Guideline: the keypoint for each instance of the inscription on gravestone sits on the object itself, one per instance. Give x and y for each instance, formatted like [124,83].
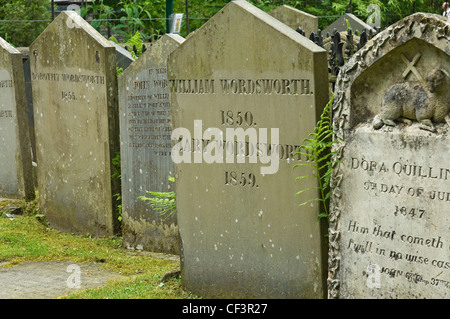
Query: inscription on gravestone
[389,228]
[73,71]
[146,148]
[240,110]
[16,179]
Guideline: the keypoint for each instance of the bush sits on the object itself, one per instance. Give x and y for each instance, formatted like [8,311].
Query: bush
[127,17]
[22,34]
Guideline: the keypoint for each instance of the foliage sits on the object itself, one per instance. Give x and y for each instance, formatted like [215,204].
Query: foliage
[327,10]
[200,11]
[23,33]
[316,148]
[116,174]
[119,71]
[118,197]
[148,17]
[136,41]
[163,202]
[127,17]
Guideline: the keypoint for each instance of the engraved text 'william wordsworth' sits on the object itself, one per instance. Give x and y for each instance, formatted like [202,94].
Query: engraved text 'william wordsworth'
[241,86]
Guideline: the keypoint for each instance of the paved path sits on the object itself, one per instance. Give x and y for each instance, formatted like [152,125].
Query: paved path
[47,280]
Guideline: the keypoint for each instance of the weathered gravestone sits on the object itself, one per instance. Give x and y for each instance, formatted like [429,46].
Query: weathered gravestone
[146,148]
[295,18]
[389,223]
[123,56]
[240,108]
[16,179]
[356,24]
[28,92]
[73,70]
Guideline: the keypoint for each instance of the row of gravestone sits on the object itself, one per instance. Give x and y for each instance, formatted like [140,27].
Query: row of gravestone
[203,110]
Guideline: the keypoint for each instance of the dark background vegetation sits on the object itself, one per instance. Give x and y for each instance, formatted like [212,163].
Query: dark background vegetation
[21,21]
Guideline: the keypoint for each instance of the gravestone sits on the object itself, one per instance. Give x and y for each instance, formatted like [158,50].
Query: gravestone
[123,56]
[73,71]
[295,18]
[146,160]
[356,24]
[389,231]
[16,179]
[239,113]
[25,51]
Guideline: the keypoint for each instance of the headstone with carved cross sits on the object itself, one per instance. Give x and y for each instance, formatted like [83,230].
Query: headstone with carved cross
[389,230]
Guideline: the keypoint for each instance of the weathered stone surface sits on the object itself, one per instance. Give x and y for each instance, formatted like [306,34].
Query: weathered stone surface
[16,179]
[25,51]
[295,18]
[123,56]
[356,24]
[73,70]
[389,234]
[242,232]
[146,148]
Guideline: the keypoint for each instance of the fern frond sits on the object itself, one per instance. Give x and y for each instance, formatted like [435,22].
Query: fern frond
[164,203]
[306,176]
[306,190]
[318,144]
[312,165]
[309,201]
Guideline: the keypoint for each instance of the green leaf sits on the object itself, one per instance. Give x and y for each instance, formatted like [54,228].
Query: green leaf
[310,201]
[306,190]
[305,176]
[317,148]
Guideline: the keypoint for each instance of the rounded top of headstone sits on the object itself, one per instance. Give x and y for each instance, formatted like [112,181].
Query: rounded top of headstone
[429,27]
[401,47]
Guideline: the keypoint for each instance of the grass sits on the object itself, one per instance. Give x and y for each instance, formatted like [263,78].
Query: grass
[30,238]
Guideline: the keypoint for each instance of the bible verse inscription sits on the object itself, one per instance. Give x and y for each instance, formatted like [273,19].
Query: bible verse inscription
[405,239]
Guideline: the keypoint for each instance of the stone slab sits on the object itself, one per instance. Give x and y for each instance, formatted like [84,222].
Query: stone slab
[389,233]
[73,70]
[295,18]
[123,56]
[356,24]
[242,231]
[16,179]
[146,148]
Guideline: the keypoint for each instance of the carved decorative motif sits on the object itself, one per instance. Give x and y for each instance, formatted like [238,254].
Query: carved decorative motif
[426,102]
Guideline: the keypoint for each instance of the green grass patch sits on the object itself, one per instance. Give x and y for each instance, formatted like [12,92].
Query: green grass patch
[30,238]
[146,286]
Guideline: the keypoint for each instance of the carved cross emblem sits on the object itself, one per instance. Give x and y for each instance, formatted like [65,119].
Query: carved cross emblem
[411,66]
